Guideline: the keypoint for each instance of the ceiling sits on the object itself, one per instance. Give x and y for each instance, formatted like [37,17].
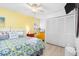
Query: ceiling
[48,8]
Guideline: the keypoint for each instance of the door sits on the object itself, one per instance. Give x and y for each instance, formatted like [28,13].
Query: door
[61,30]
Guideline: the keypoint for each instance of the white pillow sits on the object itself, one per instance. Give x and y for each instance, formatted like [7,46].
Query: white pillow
[13,35]
[20,34]
[4,35]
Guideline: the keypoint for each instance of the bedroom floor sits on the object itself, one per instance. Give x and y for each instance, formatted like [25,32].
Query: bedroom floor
[53,50]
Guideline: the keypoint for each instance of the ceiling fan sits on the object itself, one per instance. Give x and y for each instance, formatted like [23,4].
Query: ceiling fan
[35,7]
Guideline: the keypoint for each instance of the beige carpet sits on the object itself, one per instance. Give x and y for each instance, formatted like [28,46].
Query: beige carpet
[53,50]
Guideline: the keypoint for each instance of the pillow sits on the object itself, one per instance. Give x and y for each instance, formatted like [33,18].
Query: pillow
[13,35]
[20,34]
[4,35]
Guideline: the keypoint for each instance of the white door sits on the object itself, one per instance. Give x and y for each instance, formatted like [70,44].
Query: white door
[61,30]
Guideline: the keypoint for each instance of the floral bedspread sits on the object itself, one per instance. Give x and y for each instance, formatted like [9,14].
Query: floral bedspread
[20,47]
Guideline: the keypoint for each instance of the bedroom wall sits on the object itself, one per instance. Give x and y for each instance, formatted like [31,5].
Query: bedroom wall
[42,23]
[14,19]
[54,14]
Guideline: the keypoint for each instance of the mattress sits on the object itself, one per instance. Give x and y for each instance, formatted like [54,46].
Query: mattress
[21,47]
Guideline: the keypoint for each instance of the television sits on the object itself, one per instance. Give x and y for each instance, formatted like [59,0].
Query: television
[69,7]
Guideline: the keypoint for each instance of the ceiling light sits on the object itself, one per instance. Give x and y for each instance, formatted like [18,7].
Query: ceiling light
[35,7]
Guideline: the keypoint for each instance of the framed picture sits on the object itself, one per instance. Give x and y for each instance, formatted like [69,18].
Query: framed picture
[2,21]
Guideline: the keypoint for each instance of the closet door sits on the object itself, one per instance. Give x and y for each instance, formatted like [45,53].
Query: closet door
[61,30]
[70,30]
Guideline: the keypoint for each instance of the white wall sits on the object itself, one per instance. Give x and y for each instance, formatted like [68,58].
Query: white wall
[53,10]
[42,23]
[54,14]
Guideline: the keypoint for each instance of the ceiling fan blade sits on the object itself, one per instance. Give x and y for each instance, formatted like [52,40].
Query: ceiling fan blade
[29,4]
[35,7]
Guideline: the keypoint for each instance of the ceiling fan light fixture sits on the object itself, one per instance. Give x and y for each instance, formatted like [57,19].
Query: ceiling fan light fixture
[34,10]
[36,7]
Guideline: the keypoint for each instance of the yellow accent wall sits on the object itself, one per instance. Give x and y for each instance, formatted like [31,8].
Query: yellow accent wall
[17,20]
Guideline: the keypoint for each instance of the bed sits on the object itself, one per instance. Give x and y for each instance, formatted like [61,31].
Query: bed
[22,46]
